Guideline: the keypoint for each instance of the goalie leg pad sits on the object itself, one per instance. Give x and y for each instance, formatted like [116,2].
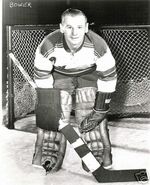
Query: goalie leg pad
[85,99]
[66,105]
[99,143]
[53,150]
[36,161]
[107,155]
[50,149]
[48,110]
[94,142]
[102,175]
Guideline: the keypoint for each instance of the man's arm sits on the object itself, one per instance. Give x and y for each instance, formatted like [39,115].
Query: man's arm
[107,79]
[42,71]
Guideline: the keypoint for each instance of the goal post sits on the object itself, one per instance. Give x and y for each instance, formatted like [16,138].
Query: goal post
[22,41]
[130,47]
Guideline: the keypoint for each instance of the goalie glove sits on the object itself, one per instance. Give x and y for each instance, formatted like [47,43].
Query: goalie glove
[98,114]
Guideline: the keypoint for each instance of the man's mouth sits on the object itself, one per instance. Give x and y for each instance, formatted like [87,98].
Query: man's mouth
[74,38]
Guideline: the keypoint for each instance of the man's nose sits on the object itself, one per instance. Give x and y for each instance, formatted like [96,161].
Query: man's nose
[74,31]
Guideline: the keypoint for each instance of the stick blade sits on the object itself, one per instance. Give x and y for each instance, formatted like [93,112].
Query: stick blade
[103,175]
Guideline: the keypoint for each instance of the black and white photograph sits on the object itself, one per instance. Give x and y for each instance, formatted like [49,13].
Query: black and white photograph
[75,92]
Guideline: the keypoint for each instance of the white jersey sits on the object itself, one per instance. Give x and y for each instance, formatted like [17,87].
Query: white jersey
[94,50]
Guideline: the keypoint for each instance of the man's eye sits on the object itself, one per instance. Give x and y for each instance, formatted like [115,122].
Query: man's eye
[80,27]
[68,27]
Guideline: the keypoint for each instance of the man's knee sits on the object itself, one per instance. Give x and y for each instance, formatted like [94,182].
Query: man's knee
[66,105]
[85,98]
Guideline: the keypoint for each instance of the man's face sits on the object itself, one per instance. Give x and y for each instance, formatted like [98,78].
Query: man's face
[74,29]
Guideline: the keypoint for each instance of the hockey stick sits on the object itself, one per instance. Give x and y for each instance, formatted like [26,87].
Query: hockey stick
[101,174]
[24,73]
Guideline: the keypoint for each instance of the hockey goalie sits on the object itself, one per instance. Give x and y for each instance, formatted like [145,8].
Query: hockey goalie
[74,67]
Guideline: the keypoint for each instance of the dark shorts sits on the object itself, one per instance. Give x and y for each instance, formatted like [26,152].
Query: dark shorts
[68,83]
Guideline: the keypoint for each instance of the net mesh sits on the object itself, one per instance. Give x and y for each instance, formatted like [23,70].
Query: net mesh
[24,44]
[130,48]
[131,51]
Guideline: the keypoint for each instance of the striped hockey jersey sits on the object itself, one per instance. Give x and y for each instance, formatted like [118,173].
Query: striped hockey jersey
[94,50]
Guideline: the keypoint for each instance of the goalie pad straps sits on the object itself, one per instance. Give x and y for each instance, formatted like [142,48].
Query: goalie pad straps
[48,110]
[50,149]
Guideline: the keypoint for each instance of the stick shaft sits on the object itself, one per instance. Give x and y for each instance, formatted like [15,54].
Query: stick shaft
[101,174]
[24,73]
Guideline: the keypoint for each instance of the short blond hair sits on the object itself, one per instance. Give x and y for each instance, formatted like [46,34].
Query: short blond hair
[72,12]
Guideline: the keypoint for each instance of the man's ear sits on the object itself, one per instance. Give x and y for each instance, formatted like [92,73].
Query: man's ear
[61,28]
[87,27]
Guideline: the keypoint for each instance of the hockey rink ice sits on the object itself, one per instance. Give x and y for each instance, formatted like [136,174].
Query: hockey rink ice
[130,140]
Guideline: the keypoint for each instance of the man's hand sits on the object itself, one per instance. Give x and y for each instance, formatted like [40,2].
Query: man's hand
[43,64]
[91,121]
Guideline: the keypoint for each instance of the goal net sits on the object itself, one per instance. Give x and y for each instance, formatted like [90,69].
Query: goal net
[129,45]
